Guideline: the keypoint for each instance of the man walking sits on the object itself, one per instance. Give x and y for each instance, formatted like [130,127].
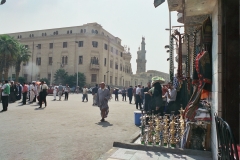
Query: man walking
[103,95]
[54,92]
[94,93]
[134,94]
[124,94]
[130,94]
[138,97]
[66,92]
[24,92]
[5,93]
[43,94]
[85,94]
[60,91]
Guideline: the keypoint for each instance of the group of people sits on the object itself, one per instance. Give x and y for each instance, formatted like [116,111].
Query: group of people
[13,91]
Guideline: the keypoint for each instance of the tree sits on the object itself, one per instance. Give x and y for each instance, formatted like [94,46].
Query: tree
[8,52]
[22,56]
[60,76]
[81,79]
[70,80]
[21,80]
[45,80]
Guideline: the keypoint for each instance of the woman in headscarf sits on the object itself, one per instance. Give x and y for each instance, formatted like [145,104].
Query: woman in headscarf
[156,96]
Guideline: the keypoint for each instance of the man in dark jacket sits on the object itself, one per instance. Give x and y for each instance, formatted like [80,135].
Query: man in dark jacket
[94,93]
[130,94]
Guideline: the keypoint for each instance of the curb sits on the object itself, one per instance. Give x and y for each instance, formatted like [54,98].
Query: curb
[161,149]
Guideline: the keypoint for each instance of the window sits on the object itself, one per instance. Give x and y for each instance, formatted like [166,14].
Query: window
[116,51]
[67,32]
[50,45]
[104,79]
[94,78]
[56,32]
[96,32]
[26,46]
[38,61]
[50,61]
[111,49]
[92,31]
[116,66]
[84,30]
[66,60]
[70,31]
[120,67]
[81,31]
[42,34]
[64,44]
[32,35]
[49,76]
[62,60]
[105,46]
[115,80]
[39,46]
[105,62]
[80,43]
[121,54]
[95,44]
[94,60]
[111,64]
[45,34]
[110,79]
[25,77]
[80,60]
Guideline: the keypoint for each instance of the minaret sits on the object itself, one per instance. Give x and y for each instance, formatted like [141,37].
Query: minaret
[141,58]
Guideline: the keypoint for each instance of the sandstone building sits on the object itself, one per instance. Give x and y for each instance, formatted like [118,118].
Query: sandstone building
[89,49]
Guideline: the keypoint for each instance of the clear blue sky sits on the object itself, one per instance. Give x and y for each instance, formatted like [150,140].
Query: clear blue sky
[127,19]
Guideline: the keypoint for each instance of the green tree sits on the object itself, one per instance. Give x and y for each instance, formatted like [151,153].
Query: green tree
[21,80]
[45,80]
[81,79]
[60,76]
[70,80]
[22,56]
[9,48]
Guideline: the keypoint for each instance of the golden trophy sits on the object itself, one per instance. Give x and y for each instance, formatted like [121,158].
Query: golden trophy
[150,132]
[182,122]
[143,125]
[172,132]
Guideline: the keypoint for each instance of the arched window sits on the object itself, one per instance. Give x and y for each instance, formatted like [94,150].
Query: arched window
[92,31]
[66,60]
[20,36]
[32,35]
[96,31]
[70,31]
[56,32]
[84,30]
[81,31]
[67,32]
[62,60]
[45,34]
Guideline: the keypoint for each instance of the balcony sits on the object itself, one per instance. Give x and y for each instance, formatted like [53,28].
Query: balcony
[175,5]
[94,66]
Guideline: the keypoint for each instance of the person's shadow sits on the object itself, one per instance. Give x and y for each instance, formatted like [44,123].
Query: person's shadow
[104,124]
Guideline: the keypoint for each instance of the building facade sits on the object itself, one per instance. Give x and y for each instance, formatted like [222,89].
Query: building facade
[88,49]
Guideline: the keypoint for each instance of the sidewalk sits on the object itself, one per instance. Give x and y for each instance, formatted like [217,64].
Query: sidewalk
[129,151]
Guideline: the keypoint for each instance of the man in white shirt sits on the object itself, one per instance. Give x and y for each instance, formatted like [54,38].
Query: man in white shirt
[171,95]
[138,97]
[54,92]
[85,94]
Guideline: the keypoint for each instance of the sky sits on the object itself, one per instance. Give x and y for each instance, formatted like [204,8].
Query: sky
[127,19]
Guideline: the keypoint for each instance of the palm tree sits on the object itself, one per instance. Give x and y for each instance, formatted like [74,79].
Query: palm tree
[22,56]
[8,53]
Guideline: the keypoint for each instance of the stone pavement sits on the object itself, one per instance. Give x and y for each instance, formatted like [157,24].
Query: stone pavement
[63,130]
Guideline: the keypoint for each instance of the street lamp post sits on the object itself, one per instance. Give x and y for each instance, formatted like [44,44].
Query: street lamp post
[107,77]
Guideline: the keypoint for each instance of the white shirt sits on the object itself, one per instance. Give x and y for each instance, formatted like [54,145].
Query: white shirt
[55,89]
[85,90]
[138,90]
[172,93]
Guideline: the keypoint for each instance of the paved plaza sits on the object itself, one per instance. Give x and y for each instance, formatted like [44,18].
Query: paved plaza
[63,130]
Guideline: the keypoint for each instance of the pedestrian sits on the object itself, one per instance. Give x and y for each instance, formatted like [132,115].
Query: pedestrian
[111,92]
[60,91]
[28,94]
[116,94]
[43,94]
[94,93]
[147,97]
[171,95]
[0,92]
[35,91]
[66,92]
[124,91]
[55,92]
[85,94]
[142,95]
[32,92]
[24,92]
[13,91]
[19,95]
[130,94]
[138,97]
[5,95]
[103,95]
[156,96]
[134,94]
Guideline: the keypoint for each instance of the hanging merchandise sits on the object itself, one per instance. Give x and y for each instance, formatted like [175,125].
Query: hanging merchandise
[207,32]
